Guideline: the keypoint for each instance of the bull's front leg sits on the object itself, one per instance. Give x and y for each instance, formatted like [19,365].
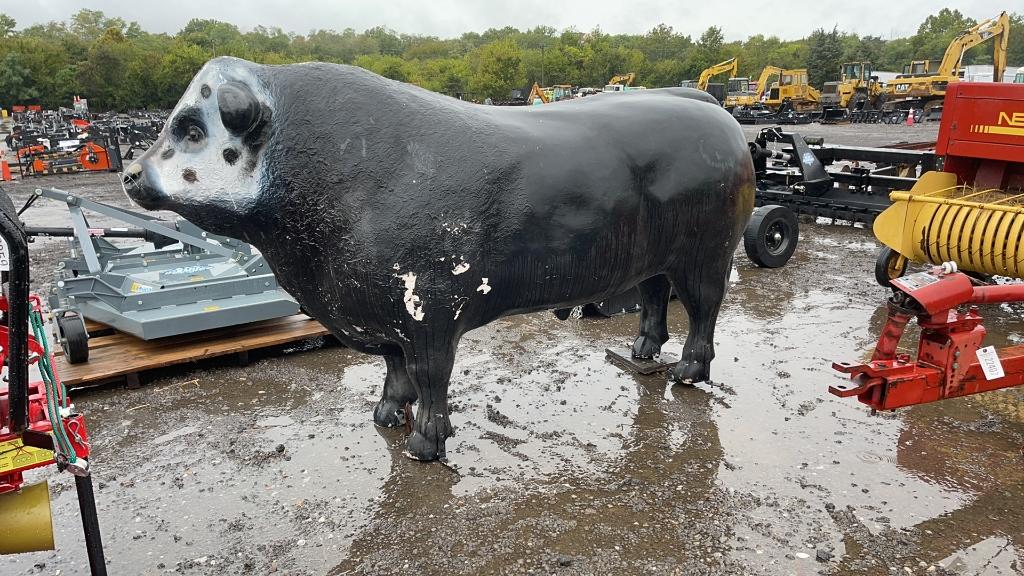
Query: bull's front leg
[430,370]
[398,392]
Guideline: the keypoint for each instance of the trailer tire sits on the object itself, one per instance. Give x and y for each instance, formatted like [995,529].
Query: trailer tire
[771,236]
[73,337]
[889,265]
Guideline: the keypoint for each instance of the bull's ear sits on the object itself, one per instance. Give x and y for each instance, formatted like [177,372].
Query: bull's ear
[239,109]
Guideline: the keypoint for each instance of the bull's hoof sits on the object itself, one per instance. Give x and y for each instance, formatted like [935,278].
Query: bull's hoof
[388,414]
[419,447]
[646,348]
[690,372]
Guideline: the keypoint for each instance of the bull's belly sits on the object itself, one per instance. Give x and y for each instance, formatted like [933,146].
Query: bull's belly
[541,285]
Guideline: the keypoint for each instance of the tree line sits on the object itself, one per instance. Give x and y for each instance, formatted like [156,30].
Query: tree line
[119,66]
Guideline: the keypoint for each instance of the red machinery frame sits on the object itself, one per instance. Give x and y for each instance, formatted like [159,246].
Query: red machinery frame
[947,364]
[32,447]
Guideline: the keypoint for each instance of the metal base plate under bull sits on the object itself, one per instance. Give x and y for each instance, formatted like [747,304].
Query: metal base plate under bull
[179,280]
[623,357]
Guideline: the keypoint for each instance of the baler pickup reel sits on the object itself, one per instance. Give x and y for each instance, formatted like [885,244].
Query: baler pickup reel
[950,361]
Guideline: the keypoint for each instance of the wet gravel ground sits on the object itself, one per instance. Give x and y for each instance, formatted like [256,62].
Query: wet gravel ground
[562,462]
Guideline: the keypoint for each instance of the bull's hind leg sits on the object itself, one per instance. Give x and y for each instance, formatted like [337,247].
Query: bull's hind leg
[654,296]
[398,392]
[701,289]
[430,371]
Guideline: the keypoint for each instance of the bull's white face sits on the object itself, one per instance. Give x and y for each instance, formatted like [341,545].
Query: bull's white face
[206,164]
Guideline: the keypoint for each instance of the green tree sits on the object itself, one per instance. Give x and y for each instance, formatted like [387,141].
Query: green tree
[388,66]
[213,36]
[7,25]
[499,69]
[176,69]
[15,81]
[449,76]
[89,25]
[936,32]
[825,55]
[709,48]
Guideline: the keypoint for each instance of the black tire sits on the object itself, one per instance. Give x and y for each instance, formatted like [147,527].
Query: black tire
[73,337]
[889,265]
[771,236]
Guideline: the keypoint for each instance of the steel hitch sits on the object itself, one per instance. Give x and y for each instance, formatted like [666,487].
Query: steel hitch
[950,361]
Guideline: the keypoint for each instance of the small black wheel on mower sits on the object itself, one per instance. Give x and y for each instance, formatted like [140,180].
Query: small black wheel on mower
[889,266]
[73,337]
[771,236]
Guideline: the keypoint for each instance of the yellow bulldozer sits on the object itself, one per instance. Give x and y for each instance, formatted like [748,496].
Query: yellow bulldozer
[922,85]
[792,92]
[857,89]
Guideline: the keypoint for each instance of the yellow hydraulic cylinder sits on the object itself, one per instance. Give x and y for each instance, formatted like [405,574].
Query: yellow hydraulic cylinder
[25,521]
[939,221]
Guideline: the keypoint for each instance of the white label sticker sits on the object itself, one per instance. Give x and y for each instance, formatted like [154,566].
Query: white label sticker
[5,255]
[990,363]
[916,281]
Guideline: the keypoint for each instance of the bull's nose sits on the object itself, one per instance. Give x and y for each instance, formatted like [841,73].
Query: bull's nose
[132,175]
[139,189]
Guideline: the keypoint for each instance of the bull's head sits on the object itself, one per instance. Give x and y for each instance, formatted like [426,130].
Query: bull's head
[206,163]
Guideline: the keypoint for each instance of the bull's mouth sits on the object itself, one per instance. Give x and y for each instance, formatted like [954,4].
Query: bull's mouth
[139,191]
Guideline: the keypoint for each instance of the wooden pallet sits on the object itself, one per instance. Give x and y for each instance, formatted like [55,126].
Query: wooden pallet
[115,355]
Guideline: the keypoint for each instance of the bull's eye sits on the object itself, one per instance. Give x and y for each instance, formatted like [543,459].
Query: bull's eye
[195,134]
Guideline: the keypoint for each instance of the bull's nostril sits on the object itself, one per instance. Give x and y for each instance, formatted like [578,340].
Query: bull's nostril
[131,175]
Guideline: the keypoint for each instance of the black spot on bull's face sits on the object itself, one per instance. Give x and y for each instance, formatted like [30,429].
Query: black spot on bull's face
[193,168]
[240,111]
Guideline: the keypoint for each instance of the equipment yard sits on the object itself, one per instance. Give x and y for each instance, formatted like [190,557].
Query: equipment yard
[561,463]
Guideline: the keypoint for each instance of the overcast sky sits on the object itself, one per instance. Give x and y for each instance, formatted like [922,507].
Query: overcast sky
[449,18]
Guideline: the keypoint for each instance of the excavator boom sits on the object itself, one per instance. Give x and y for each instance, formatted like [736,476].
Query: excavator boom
[731,65]
[995,29]
[766,74]
[925,89]
[623,79]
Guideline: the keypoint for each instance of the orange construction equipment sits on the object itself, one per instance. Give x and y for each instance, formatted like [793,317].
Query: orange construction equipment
[90,157]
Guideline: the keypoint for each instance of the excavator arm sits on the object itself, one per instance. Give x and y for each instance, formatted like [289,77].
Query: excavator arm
[623,79]
[996,29]
[766,75]
[732,64]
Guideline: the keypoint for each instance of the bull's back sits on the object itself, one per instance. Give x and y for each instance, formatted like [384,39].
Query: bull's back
[652,160]
[614,191]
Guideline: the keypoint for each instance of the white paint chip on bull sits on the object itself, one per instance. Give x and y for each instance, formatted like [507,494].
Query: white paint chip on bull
[413,305]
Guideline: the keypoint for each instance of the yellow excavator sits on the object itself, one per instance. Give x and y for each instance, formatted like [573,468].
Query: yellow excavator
[732,65]
[740,92]
[623,79]
[923,83]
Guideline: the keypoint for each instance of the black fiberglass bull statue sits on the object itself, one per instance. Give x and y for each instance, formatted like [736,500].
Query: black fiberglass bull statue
[402,219]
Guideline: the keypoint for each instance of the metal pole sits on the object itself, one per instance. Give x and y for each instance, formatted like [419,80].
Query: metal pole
[17,315]
[91,525]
